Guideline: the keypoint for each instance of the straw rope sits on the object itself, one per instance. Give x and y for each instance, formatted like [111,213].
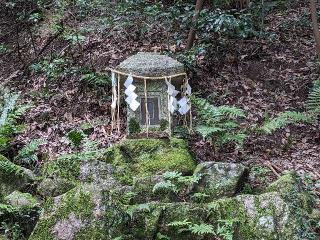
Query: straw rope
[145,77]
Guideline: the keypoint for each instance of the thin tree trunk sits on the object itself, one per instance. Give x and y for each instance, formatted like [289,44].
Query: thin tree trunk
[315,26]
[192,33]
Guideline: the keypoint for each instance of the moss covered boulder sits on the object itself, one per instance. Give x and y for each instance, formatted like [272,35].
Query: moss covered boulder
[19,199]
[220,179]
[13,177]
[131,158]
[68,215]
[52,187]
[145,157]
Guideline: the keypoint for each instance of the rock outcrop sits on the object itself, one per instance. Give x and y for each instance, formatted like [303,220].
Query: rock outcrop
[152,189]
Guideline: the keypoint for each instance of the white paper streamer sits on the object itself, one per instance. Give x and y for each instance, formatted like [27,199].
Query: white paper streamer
[129,81]
[184,105]
[131,95]
[172,106]
[172,92]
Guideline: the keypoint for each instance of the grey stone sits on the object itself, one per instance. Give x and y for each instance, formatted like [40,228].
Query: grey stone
[220,179]
[52,187]
[18,199]
[13,177]
[67,228]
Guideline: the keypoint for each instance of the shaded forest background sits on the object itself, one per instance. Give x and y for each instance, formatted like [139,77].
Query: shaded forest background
[260,58]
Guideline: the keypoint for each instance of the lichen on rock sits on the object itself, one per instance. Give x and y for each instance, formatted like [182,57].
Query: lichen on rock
[220,179]
[19,199]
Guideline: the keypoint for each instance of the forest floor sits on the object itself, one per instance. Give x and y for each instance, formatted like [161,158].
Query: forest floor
[262,76]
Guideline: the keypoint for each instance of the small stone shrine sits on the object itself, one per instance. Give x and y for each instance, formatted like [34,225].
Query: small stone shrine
[155,88]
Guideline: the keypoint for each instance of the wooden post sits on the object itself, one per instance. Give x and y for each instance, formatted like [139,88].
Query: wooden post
[118,115]
[146,106]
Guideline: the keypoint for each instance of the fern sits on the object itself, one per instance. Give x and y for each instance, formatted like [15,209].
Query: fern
[8,168]
[202,229]
[313,101]
[189,180]
[218,124]
[197,229]
[166,186]
[284,119]
[10,112]
[28,154]
[140,207]
[171,175]
[161,236]
[178,224]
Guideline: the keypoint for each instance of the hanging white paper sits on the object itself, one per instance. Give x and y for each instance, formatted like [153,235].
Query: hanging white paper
[184,106]
[172,105]
[129,81]
[134,105]
[130,89]
[131,98]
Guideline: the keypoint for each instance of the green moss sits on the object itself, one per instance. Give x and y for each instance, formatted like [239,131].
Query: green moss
[283,184]
[92,232]
[143,157]
[78,201]
[175,160]
[67,167]
[43,229]
[135,147]
[19,199]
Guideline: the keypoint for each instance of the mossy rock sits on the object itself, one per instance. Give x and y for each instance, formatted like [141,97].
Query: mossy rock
[21,200]
[145,157]
[131,158]
[69,214]
[143,190]
[284,184]
[220,179]
[13,177]
[52,187]
[80,167]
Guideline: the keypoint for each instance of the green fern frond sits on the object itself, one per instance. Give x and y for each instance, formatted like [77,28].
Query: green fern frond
[28,154]
[207,131]
[183,223]
[231,111]
[202,229]
[171,175]
[313,101]
[284,119]
[165,186]
[137,208]
[237,138]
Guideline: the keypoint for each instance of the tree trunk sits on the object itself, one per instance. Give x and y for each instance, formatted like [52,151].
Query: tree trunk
[315,26]
[192,33]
